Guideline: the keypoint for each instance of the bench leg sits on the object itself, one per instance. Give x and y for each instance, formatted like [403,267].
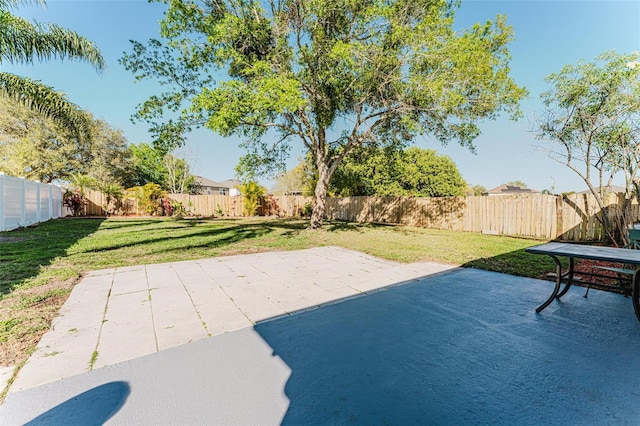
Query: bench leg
[556,289]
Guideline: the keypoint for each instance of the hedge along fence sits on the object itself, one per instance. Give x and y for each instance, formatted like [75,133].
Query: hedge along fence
[574,217]
[196,205]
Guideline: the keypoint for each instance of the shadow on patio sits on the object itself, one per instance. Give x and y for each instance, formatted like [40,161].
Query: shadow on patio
[464,347]
[460,347]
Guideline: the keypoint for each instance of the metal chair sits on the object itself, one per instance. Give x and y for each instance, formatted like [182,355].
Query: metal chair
[634,239]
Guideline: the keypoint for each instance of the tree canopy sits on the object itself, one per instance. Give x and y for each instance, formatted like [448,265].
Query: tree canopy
[413,172]
[38,147]
[23,42]
[296,181]
[476,190]
[592,125]
[151,165]
[333,75]
[519,183]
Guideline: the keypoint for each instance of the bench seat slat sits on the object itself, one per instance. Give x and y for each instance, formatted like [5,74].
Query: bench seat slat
[624,271]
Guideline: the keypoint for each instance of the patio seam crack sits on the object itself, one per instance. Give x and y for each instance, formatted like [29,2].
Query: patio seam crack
[104,319]
[153,321]
[195,308]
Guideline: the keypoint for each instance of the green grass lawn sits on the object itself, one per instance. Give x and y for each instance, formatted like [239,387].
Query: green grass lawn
[39,265]
[62,249]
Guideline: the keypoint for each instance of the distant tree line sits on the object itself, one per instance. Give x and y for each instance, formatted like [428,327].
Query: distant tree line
[412,172]
[39,148]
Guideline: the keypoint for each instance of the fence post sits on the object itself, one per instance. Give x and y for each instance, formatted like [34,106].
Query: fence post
[50,204]
[38,201]
[23,202]
[57,205]
[1,201]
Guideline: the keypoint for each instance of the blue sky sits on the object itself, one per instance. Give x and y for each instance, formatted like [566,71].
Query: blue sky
[549,35]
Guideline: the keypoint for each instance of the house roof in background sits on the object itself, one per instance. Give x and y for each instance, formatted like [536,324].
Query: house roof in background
[205,182]
[229,183]
[511,190]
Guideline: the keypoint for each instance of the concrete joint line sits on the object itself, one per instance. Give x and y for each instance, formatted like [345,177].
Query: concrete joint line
[104,318]
[195,308]
[236,305]
[227,294]
[153,320]
[132,292]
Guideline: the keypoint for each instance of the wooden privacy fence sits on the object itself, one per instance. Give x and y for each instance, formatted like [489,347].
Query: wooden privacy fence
[569,218]
[96,203]
[202,205]
[195,205]
[226,205]
[533,216]
[574,217]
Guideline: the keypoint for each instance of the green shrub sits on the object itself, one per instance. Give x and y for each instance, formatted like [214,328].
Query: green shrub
[179,209]
[251,193]
[307,210]
[113,193]
[148,196]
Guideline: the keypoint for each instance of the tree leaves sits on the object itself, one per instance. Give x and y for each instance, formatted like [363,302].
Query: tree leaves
[592,121]
[24,42]
[45,100]
[370,64]
[334,74]
[41,148]
[391,172]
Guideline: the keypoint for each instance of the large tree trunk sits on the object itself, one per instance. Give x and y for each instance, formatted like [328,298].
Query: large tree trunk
[320,201]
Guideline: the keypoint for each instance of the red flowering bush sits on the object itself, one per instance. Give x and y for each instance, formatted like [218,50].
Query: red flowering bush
[75,201]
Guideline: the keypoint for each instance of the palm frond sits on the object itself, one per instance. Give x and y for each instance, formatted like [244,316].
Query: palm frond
[10,4]
[23,42]
[46,101]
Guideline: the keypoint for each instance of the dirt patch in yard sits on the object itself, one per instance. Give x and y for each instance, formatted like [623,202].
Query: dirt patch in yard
[29,312]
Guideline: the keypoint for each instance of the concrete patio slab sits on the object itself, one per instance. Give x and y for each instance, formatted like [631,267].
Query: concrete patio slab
[120,314]
[458,347]
[5,375]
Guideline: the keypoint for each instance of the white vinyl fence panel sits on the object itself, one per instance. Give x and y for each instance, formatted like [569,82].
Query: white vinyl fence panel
[31,208]
[24,202]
